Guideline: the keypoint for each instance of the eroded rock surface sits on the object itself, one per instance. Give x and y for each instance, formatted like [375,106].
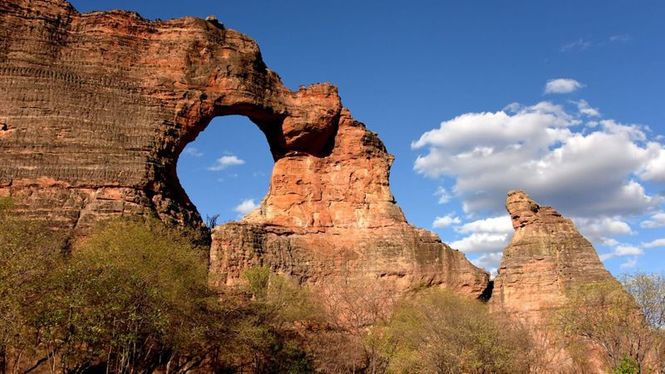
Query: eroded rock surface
[96,108]
[546,258]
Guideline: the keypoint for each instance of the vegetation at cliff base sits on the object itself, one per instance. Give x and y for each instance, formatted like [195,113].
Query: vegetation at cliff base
[134,296]
[439,332]
[622,326]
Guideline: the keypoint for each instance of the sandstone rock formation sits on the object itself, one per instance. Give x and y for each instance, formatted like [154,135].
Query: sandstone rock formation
[546,258]
[334,217]
[96,108]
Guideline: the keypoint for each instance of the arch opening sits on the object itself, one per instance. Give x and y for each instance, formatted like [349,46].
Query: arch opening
[224,171]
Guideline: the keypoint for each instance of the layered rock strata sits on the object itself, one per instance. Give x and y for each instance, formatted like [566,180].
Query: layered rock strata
[546,259]
[95,109]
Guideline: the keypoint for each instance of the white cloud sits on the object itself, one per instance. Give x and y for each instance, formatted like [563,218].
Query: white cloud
[485,235]
[192,151]
[658,243]
[443,195]
[610,242]
[621,38]
[655,221]
[562,86]
[495,225]
[621,251]
[627,250]
[601,229]
[481,242]
[654,170]
[225,162]
[583,171]
[445,221]
[578,45]
[489,262]
[584,108]
[630,263]
[246,206]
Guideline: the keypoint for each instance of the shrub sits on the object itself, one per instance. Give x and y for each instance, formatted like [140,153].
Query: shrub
[28,252]
[133,296]
[605,318]
[271,330]
[439,332]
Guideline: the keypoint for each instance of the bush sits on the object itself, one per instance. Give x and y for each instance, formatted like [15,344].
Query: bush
[132,297]
[28,252]
[271,332]
[439,332]
[603,317]
[627,366]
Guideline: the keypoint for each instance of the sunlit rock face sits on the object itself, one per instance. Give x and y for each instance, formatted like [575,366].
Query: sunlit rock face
[96,108]
[546,260]
[334,217]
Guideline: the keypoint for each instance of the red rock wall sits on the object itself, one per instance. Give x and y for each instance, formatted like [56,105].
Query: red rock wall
[96,108]
[546,260]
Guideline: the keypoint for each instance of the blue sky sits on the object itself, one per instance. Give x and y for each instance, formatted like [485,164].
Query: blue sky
[564,99]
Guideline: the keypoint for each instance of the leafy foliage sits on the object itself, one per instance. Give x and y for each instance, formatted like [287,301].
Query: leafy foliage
[604,317]
[133,295]
[648,290]
[438,332]
[28,251]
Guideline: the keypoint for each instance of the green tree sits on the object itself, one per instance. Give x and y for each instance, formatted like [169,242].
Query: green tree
[604,317]
[648,290]
[439,332]
[133,296]
[271,331]
[28,252]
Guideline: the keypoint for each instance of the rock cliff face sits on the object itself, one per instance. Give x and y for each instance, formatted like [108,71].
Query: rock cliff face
[546,258]
[334,217]
[96,108]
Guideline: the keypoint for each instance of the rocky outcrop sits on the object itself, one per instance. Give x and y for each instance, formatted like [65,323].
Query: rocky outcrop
[334,217]
[96,108]
[546,259]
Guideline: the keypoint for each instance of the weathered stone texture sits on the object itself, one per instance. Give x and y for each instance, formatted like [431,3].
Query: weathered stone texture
[546,258]
[96,108]
[545,261]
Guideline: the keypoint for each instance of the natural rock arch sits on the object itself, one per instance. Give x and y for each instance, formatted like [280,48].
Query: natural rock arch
[98,107]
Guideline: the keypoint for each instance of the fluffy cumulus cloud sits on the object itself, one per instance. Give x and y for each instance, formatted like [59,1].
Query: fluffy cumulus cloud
[586,169]
[657,220]
[562,86]
[246,206]
[486,237]
[445,221]
[584,108]
[443,195]
[602,229]
[658,243]
[590,168]
[654,170]
[489,262]
[622,250]
[225,162]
